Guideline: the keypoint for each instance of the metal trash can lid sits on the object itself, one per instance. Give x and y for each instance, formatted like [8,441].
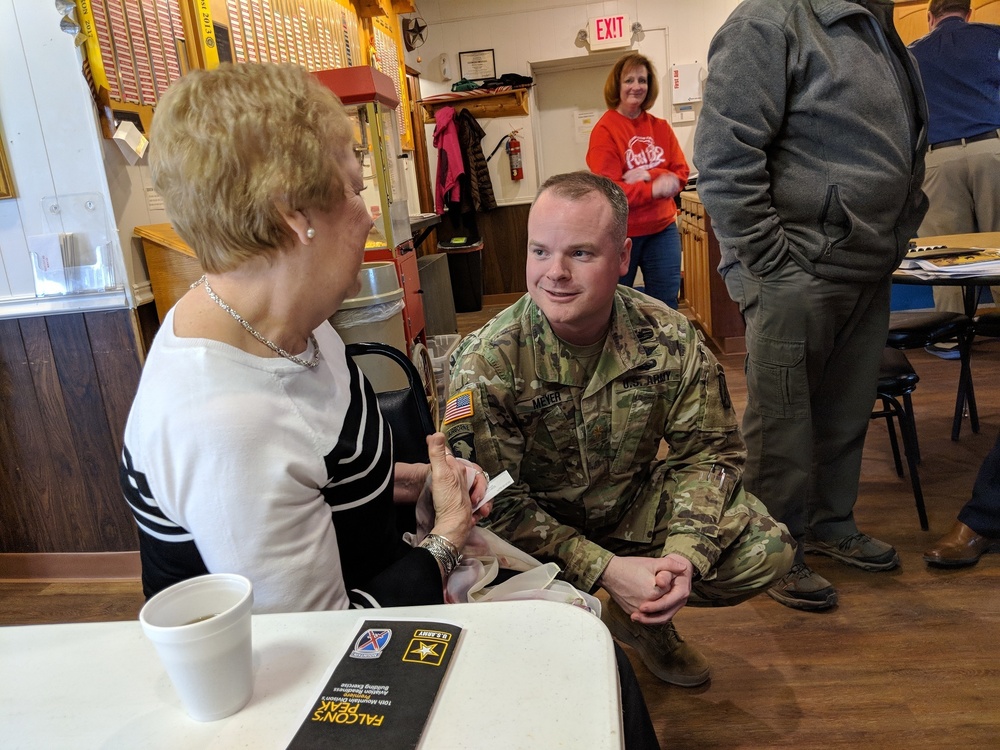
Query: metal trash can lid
[379,284]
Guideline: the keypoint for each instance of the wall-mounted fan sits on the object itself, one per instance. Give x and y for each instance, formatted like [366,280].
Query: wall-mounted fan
[414,32]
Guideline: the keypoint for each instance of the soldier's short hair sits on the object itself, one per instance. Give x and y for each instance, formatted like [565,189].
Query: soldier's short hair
[576,185]
[938,8]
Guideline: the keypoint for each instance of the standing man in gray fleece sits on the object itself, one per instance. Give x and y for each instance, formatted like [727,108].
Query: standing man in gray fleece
[810,153]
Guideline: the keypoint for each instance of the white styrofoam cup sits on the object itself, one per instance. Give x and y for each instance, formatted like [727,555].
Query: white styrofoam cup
[201,630]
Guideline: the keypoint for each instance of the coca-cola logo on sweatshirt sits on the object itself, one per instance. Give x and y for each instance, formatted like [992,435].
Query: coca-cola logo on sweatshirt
[642,152]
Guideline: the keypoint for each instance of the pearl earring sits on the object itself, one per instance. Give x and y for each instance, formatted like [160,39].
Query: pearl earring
[310,233]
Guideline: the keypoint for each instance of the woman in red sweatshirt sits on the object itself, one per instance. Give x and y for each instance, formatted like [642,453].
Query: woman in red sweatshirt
[640,152]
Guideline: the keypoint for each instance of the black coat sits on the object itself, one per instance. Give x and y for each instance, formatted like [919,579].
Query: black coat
[479,195]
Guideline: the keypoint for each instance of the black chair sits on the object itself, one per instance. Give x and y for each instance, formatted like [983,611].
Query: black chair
[405,409]
[896,381]
[408,414]
[915,330]
[987,324]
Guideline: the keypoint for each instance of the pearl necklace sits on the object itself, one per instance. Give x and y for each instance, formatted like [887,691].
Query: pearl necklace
[253,332]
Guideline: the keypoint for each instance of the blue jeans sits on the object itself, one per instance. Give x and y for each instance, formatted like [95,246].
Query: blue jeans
[659,257]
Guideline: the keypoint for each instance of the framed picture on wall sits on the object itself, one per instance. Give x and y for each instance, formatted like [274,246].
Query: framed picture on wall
[6,183]
[477,64]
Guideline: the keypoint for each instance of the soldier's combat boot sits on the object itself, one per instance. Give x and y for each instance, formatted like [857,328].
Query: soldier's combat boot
[660,647]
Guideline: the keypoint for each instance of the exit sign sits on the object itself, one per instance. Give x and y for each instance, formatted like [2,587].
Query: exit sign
[607,32]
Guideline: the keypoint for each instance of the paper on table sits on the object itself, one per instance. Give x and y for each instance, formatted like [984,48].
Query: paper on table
[381,691]
[930,251]
[975,260]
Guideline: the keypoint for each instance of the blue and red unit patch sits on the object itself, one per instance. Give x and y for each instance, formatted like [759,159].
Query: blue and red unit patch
[371,643]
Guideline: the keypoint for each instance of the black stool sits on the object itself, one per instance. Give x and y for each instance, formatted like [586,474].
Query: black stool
[896,381]
[915,330]
[987,324]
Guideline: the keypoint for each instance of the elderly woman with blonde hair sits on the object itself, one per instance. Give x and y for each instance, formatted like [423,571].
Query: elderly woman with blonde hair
[254,445]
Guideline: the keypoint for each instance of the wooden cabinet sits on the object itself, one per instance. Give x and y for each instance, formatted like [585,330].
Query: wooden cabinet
[409,280]
[172,265]
[704,289]
[911,19]
[404,258]
[911,16]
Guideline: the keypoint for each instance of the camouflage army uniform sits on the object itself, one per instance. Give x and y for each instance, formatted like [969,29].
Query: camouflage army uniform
[588,484]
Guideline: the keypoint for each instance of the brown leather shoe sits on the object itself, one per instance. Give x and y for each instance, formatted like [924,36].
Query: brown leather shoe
[960,546]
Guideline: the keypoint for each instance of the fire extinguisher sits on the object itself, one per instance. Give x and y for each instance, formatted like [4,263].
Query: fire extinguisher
[514,153]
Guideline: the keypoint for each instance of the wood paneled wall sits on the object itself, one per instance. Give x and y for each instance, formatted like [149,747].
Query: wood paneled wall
[66,385]
[504,232]
[911,16]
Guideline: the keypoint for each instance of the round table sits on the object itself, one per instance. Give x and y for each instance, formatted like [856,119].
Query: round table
[970,285]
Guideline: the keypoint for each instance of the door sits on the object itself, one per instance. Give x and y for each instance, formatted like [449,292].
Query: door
[565,92]
[425,194]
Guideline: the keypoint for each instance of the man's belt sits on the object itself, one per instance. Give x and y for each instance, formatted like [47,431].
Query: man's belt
[962,141]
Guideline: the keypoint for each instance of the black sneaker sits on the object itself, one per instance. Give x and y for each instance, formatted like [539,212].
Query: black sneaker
[803,588]
[857,550]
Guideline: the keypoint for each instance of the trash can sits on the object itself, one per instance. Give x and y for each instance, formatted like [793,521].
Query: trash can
[465,266]
[375,314]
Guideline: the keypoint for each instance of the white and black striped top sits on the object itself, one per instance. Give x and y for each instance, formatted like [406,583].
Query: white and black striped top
[258,466]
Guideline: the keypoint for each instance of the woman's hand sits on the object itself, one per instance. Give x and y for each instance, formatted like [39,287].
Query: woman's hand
[666,186]
[414,483]
[638,174]
[409,482]
[449,491]
[477,481]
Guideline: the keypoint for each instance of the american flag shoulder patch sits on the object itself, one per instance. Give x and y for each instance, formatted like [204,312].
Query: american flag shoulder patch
[458,407]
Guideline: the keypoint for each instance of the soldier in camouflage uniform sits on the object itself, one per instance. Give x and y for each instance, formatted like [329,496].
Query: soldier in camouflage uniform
[571,390]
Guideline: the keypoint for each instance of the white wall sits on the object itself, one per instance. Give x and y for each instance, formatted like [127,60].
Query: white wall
[54,147]
[54,142]
[135,204]
[526,32]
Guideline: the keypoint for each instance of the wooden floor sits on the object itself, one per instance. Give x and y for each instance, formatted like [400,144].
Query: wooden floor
[908,659]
